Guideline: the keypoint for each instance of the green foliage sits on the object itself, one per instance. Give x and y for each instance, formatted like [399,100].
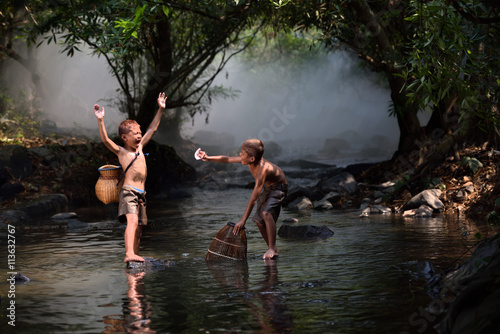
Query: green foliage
[493,217]
[455,55]
[434,182]
[472,163]
[398,187]
[130,27]
[401,184]
[20,118]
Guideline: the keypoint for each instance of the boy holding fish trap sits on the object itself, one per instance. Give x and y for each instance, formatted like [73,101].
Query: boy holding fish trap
[270,189]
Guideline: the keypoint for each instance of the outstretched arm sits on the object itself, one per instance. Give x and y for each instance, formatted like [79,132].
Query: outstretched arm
[156,120]
[99,114]
[218,158]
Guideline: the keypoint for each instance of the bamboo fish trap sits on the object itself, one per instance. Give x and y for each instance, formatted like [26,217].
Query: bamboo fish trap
[105,188]
[227,246]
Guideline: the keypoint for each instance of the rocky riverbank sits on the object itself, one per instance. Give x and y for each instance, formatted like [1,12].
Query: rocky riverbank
[44,179]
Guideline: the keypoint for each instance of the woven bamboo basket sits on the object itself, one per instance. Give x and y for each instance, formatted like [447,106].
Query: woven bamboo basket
[227,246]
[105,188]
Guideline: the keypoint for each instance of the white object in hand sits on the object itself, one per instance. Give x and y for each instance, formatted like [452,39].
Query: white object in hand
[196,154]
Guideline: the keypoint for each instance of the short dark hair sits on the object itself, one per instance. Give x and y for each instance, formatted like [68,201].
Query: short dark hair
[254,148]
[125,126]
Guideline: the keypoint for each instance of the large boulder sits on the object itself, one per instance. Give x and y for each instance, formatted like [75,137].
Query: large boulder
[8,189]
[343,183]
[296,192]
[300,203]
[17,160]
[473,291]
[429,197]
[47,155]
[166,170]
[46,204]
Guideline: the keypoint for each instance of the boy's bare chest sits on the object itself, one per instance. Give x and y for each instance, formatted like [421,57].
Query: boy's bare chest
[136,163]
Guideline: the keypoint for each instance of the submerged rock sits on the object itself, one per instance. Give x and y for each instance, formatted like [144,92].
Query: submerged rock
[14,217]
[20,278]
[423,211]
[77,225]
[419,270]
[64,215]
[304,231]
[149,263]
[343,183]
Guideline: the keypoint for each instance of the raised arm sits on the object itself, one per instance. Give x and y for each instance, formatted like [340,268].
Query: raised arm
[156,120]
[99,114]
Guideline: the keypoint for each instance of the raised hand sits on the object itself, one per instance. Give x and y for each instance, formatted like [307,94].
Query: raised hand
[98,111]
[161,100]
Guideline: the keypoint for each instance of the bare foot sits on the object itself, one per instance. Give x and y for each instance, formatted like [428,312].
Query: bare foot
[133,257]
[270,254]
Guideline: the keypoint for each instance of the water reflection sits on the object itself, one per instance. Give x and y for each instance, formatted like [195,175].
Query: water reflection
[266,303]
[136,308]
[275,316]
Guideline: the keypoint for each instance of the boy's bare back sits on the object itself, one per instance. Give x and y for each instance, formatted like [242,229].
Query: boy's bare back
[268,173]
[267,176]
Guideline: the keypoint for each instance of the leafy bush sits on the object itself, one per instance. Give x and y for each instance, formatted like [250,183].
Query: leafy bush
[472,163]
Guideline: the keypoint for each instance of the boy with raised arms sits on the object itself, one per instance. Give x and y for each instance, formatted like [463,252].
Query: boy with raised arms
[132,204]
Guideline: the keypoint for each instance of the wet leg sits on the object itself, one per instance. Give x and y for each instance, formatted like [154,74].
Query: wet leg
[130,239]
[270,236]
[137,241]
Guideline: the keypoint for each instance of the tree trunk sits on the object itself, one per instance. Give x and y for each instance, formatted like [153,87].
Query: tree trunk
[171,127]
[410,131]
[409,125]
[161,57]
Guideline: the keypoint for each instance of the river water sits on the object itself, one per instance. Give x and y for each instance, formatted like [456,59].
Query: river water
[352,282]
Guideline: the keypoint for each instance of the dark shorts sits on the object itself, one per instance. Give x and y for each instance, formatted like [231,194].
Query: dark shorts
[270,201]
[132,201]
